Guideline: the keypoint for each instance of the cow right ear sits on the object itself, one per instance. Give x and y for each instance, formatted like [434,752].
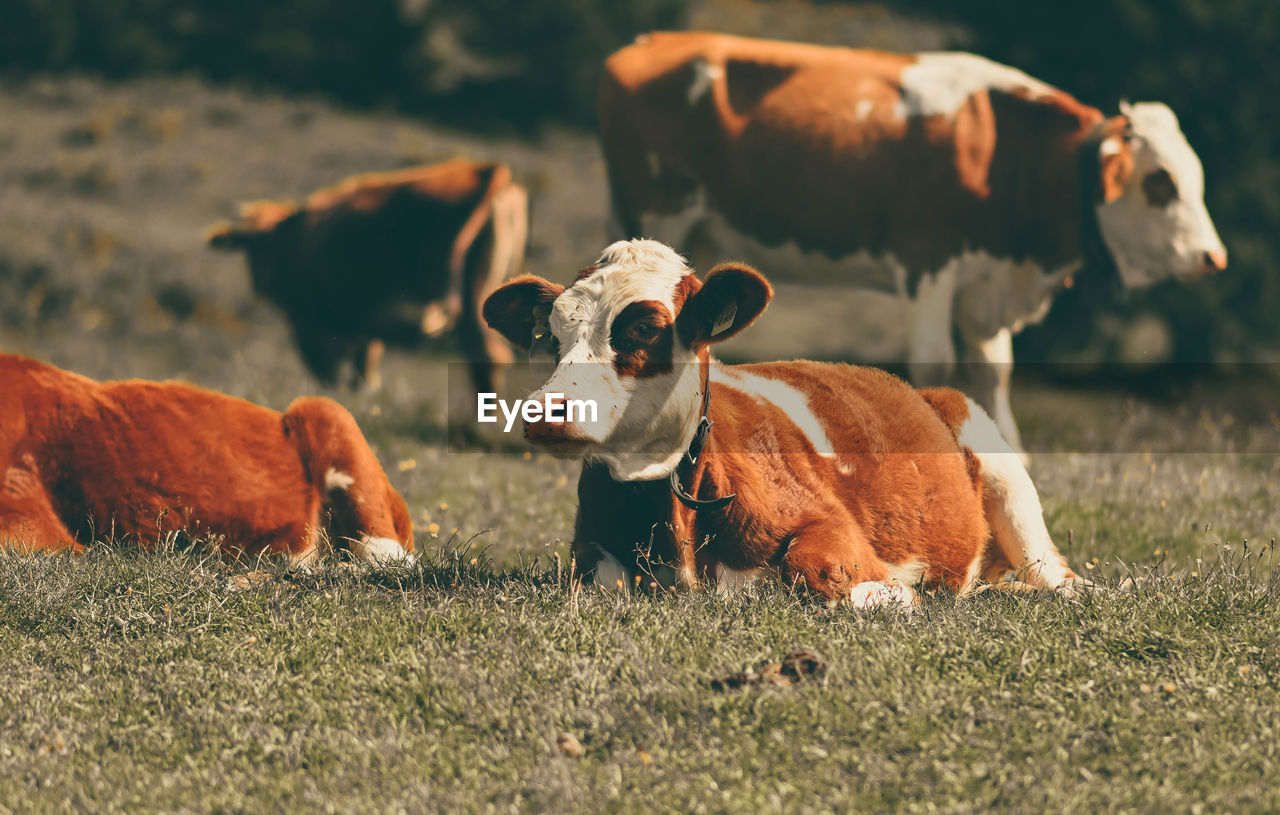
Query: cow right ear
[511,310]
[1115,159]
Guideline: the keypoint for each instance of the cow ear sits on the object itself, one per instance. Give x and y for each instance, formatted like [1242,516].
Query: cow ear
[1115,161]
[730,299]
[511,310]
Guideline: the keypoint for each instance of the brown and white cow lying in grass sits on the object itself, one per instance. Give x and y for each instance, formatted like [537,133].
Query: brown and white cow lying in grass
[136,459]
[388,258]
[846,479]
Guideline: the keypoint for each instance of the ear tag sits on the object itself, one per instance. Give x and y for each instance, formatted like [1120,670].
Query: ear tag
[540,347]
[725,321]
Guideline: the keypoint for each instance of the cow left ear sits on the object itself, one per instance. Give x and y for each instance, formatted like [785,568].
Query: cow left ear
[730,299]
[512,309]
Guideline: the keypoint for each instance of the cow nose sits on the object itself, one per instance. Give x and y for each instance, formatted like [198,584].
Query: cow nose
[1215,261]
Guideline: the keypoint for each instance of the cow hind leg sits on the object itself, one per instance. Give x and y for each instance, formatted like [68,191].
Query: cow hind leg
[1012,505]
[364,510]
[28,522]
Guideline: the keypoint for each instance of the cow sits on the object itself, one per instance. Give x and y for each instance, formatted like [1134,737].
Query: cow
[970,189]
[140,460]
[844,480]
[388,258]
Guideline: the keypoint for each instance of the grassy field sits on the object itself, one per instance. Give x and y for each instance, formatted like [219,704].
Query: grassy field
[179,682]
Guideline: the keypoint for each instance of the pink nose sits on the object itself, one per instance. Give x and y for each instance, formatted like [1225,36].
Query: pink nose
[1215,261]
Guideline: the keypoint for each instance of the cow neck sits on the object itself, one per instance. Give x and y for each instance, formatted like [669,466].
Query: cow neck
[694,450]
[1099,274]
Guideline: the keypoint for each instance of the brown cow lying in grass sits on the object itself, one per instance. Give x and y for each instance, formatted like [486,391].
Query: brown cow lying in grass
[136,459]
[843,479]
[388,257]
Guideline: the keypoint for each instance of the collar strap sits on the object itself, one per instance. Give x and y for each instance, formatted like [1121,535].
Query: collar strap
[691,457]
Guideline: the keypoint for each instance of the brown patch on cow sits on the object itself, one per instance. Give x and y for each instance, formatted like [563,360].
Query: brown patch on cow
[583,274]
[642,335]
[1160,188]
[950,404]
[688,285]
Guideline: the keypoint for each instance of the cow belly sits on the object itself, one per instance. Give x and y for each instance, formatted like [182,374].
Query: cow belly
[706,238]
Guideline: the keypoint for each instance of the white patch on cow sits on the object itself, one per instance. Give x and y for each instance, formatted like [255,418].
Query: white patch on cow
[609,573]
[642,425]
[733,581]
[793,404]
[337,480]
[873,594]
[381,550]
[973,575]
[1012,504]
[863,109]
[1150,243]
[939,83]
[704,76]
[907,573]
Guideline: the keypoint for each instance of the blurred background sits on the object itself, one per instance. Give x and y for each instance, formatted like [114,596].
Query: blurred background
[117,112]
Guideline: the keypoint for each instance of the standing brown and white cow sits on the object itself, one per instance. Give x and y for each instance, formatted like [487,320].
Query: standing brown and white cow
[845,479]
[388,257]
[980,188]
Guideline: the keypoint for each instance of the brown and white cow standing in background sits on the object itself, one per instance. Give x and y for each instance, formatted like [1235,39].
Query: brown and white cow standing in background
[845,479]
[980,188]
[388,257]
[81,459]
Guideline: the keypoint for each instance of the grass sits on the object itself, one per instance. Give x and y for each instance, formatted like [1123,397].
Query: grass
[156,682]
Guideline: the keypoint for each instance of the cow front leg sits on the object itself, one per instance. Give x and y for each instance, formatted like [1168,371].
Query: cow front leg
[931,353]
[990,373]
[833,560]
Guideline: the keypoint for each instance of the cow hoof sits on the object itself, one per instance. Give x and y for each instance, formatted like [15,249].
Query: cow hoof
[382,551]
[873,594]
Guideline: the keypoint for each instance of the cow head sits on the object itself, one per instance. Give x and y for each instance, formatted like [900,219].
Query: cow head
[629,334]
[265,232]
[1151,210]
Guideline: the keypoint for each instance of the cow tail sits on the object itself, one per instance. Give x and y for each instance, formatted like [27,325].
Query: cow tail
[499,178]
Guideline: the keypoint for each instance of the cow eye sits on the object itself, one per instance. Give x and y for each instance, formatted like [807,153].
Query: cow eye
[1160,188]
[642,333]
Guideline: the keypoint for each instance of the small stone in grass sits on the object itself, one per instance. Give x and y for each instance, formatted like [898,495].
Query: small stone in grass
[569,745]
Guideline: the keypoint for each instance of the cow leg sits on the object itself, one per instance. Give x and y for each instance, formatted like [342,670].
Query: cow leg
[1012,506]
[28,522]
[833,559]
[931,354]
[364,510]
[990,374]
[369,366]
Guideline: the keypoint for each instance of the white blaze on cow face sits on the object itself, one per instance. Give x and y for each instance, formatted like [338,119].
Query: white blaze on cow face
[642,424]
[1159,225]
